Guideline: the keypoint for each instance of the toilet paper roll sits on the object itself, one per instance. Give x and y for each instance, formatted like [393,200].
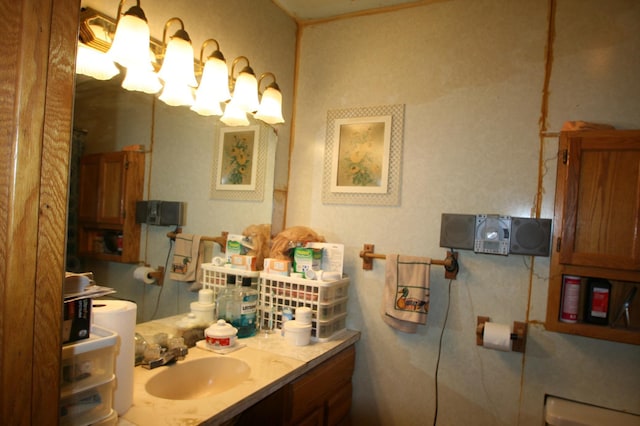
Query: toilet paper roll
[497,336]
[120,316]
[142,273]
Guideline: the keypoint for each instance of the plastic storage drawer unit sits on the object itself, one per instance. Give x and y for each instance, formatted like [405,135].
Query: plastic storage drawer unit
[89,362]
[87,405]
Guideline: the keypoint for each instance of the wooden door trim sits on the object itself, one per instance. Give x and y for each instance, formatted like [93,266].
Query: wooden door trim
[37,80]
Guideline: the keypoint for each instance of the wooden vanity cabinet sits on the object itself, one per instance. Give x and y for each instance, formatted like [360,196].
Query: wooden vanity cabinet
[109,186]
[321,397]
[597,226]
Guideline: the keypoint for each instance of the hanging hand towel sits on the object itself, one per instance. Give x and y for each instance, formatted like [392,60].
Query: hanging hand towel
[185,258]
[405,300]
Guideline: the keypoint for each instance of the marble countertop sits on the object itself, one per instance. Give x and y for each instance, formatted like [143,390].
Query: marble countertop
[273,364]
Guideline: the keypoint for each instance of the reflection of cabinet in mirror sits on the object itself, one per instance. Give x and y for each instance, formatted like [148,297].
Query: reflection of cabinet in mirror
[109,186]
[597,232]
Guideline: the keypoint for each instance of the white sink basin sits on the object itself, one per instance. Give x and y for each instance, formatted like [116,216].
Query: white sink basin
[198,378]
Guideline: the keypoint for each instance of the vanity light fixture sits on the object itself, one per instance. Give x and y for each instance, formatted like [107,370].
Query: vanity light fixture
[95,38]
[234,116]
[141,80]
[103,41]
[177,70]
[94,63]
[214,84]
[270,109]
[245,87]
[130,49]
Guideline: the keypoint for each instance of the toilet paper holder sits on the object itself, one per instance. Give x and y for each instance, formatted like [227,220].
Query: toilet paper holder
[518,335]
[158,275]
[149,275]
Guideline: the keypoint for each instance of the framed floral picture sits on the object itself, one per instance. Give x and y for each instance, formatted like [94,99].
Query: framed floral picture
[363,153]
[360,161]
[239,162]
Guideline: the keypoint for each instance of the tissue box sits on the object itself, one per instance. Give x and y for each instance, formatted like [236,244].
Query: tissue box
[332,256]
[234,246]
[76,319]
[244,262]
[277,266]
[305,258]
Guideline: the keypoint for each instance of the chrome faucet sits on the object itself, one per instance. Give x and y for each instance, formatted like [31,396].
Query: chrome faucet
[167,357]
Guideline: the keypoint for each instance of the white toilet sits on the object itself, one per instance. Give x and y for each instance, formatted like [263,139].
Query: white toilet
[562,412]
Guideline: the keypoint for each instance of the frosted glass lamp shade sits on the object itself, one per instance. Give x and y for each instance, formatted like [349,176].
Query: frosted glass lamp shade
[204,105]
[270,110]
[234,116]
[177,66]
[141,79]
[130,46]
[94,63]
[213,89]
[176,94]
[245,93]
[215,79]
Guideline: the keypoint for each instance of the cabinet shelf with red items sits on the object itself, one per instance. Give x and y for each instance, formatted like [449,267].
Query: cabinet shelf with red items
[596,232]
[110,185]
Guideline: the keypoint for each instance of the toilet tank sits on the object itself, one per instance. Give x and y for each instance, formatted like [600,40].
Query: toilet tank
[563,412]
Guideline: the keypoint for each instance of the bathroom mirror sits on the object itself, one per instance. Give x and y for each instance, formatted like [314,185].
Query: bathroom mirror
[179,147]
[179,144]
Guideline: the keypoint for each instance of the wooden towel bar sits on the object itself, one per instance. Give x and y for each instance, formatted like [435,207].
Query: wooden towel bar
[221,240]
[450,263]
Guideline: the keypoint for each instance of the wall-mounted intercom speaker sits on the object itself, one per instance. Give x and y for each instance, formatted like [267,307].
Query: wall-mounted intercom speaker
[457,231]
[530,236]
[156,212]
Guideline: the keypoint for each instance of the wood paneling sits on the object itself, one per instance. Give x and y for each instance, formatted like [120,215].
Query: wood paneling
[36,87]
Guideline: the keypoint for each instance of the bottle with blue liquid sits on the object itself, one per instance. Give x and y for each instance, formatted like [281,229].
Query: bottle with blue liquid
[245,309]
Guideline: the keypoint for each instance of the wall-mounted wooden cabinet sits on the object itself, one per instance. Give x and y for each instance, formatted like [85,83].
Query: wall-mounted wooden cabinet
[110,184]
[597,229]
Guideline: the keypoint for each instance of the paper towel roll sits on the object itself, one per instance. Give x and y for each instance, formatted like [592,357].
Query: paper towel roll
[120,316]
[142,273]
[497,336]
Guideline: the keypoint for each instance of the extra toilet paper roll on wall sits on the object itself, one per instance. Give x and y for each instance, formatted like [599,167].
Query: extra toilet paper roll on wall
[142,273]
[497,336]
[120,316]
